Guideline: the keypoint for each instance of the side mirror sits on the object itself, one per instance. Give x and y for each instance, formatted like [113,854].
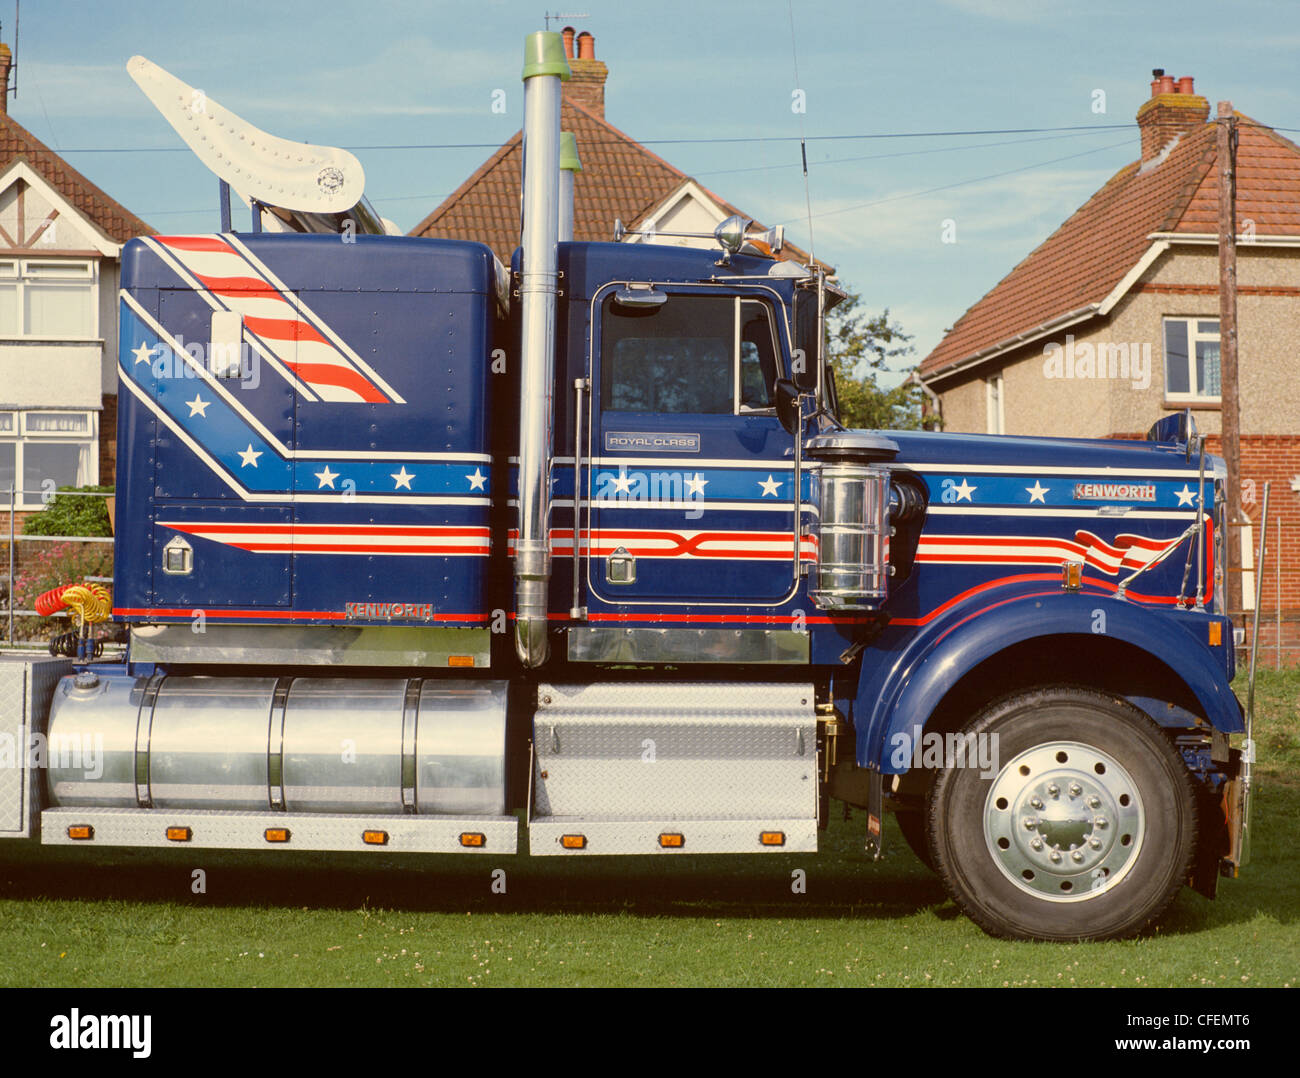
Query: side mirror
[806,379]
[787,405]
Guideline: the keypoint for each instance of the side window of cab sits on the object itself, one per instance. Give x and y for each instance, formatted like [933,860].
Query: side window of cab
[701,355]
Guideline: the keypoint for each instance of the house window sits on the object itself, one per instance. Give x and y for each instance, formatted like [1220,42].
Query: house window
[47,298]
[42,451]
[701,355]
[994,407]
[1192,359]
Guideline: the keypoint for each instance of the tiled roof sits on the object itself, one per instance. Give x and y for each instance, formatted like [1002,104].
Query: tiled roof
[108,215]
[620,178]
[1082,261]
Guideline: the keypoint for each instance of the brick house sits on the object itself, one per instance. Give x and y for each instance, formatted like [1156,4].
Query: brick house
[620,179]
[60,242]
[1112,322]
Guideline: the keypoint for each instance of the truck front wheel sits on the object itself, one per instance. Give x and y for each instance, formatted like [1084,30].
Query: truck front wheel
[1069,815]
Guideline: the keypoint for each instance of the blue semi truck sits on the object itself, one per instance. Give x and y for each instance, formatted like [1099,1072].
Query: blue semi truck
[410,545]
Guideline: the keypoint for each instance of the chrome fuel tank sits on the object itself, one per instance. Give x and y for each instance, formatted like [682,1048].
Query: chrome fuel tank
[318,745]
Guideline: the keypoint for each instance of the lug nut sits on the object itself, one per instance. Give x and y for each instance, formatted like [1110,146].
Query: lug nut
[1055,857]
[1075,789]
[1031,822]
[1094,802]
[1035,843]
[1095,843]
[1100,821]
[1053,789]
[1037,802]
[1076,856]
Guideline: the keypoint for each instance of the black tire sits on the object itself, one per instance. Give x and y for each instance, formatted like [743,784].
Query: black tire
[914,825]
[1103,857]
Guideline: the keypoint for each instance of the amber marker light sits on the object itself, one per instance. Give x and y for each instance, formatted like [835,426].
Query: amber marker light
[1216,634]
[375,838]
[573,842]
[179,834]
[460,660]
[473,838]
[1072,575]
[276,834]
[671,840]
[81,831]
[772,838]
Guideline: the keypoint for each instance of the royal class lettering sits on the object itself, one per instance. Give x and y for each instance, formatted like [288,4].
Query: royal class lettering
[1120,492]
[634,441]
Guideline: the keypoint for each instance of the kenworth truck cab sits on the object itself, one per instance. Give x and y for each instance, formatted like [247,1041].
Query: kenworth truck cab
[410,545]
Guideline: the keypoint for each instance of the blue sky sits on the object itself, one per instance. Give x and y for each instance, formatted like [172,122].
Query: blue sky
[392,72]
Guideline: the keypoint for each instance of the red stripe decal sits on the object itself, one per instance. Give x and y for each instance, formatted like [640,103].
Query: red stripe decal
[344,377]
[195,243]
[285,329]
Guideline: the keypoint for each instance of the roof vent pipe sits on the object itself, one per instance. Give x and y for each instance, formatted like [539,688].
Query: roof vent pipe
[544,69]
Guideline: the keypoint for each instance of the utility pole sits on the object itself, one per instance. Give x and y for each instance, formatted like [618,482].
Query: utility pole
[1230,421]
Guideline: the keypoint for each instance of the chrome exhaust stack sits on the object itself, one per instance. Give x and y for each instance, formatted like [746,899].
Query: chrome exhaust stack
[569,164]
[544,69]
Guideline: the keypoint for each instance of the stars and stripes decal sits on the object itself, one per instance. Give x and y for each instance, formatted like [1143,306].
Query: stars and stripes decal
[221,431]
[1126,553]
[291,334]
[740,545]
[298,538]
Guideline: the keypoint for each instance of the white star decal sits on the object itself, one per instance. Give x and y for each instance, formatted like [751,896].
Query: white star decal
[770,486]
[249,456]
[477,480]
[696,485]
[622,483]
[327,478]
[1036,492]
[402,478]
[1185,496]
[142,353]
[198,406]
[964,491]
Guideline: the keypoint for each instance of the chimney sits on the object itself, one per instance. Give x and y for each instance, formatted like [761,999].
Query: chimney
[1173,109]
[568,33]
[6,62]
[586,85]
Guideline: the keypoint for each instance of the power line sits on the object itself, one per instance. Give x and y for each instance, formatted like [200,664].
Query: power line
[887,156]
[963,183]
[709,141]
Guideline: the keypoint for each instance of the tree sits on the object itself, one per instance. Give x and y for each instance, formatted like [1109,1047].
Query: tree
[862,349]
[72,515]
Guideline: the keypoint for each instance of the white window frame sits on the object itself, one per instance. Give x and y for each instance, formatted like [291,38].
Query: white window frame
[995,404]
[19,436]
[1193,336]
[25,271]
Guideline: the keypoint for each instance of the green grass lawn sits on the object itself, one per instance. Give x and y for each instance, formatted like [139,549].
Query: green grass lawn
[129,918]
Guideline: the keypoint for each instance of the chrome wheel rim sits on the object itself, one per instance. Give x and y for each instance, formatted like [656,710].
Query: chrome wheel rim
[1064,822]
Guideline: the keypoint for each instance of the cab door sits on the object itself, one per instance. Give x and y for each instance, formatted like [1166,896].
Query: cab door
[691,488]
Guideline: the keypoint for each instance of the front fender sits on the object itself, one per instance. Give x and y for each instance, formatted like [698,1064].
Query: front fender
[899,696]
